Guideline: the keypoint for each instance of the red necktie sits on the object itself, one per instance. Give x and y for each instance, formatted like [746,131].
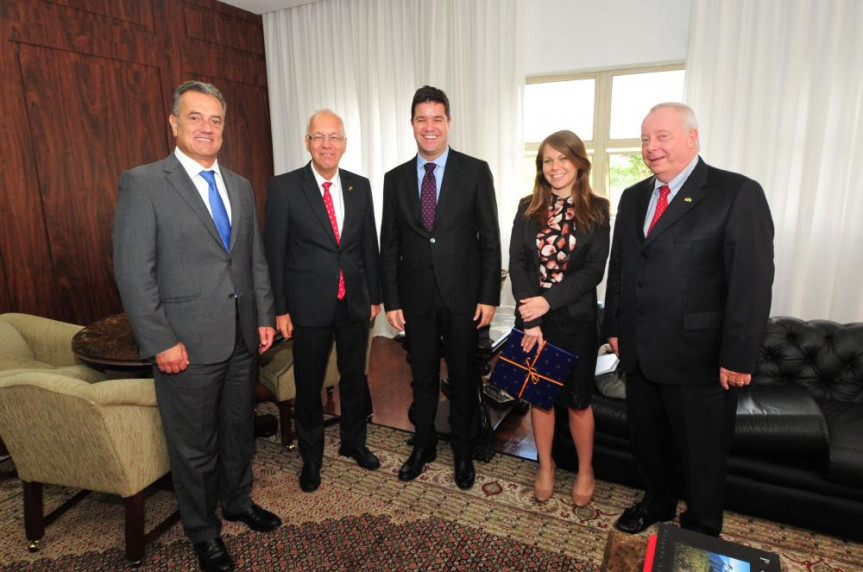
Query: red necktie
[428,196]
[331,212]
[661,205]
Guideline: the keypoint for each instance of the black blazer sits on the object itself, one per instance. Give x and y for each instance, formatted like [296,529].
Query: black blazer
[304,256]
[461,253]
[695,294]
[586,266]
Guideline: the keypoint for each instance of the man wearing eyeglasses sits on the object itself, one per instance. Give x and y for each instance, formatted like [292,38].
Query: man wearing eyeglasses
[322,248]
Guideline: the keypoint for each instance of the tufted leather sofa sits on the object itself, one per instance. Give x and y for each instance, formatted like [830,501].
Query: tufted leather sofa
[797,454]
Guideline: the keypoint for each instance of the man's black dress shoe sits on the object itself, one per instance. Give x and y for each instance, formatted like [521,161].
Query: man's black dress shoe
[213,556]
[310,476]
[256,518]
[464,473]
[637,518]
[364,458]
[413,467]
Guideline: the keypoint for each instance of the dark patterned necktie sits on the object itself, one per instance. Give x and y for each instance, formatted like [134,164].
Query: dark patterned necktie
[331,212]
[428,196]
[220,213]
[661,205]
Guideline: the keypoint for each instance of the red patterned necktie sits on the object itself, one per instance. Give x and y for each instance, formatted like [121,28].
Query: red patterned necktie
[428,196]
[331,212]
[661,205]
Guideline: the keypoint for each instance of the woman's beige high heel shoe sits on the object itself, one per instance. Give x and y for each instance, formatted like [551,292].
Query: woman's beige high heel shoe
[544,486]
[583,495]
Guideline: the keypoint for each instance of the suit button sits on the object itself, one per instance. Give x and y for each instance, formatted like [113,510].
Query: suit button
[640,284]
[431,240]
[229,262]
[644,255]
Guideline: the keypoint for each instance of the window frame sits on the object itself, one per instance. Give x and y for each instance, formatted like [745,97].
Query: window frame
[601,145]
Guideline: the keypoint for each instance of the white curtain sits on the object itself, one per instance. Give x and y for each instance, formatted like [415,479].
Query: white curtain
[364,59]
[778,89]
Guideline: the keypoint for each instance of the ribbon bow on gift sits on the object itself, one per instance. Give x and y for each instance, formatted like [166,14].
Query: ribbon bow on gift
[533,376]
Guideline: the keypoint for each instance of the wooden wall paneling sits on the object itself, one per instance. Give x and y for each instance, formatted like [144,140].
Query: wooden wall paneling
[25,256]
[85,90]
[90,119]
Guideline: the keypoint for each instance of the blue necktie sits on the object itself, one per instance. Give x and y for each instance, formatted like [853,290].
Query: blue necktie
[220,213]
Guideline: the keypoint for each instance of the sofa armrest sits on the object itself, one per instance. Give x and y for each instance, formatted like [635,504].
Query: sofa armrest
[779,419]
[49,340]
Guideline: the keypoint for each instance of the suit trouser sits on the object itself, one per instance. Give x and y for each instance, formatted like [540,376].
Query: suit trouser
[312,346]
[208,415]
[424,331]
[681,435]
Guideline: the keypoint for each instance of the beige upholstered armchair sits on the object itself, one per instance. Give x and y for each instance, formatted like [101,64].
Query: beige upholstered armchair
[276,374]
[104,437]
[32,342]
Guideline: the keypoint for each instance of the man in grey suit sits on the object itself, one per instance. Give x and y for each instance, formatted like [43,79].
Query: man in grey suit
[192,274]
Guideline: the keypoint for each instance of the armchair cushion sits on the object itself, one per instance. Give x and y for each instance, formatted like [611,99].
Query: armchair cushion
[105,437]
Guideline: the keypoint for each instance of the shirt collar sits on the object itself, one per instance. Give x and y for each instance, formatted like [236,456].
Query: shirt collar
[320,179]
[677,182]
[440,161]
[192,167]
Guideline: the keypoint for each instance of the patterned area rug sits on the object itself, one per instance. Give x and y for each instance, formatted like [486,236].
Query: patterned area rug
[369,520]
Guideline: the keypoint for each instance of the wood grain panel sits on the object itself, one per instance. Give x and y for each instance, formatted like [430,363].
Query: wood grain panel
[90,119]
[206,59]
[134,11]
[52,25]
[85,87]
[223,29]
[28,274]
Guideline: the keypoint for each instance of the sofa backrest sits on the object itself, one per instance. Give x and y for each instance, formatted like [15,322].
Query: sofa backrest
[824,357]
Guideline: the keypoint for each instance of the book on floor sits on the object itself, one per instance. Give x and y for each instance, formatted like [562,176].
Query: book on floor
[679,550]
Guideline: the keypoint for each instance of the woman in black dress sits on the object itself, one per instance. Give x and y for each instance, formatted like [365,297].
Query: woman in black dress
[557,254]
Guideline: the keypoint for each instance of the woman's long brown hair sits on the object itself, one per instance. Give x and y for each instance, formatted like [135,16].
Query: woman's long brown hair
[590,209]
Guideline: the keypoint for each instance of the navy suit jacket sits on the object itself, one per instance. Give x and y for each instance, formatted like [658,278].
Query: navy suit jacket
[695,294]
[304,256]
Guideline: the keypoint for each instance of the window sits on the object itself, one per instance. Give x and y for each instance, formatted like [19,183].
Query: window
[605,109]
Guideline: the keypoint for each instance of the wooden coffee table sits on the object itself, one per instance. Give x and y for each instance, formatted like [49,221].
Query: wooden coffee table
[624,552]
[110,344]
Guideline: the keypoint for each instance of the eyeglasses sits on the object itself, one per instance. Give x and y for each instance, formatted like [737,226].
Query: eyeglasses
[317,138]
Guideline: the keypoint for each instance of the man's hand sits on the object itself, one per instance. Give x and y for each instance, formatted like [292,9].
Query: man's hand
[533,308]
[532,337]
[285,326]
[484,313]
[613,343]
[729,379]
[265,337]
[396,318]
[376,309]
[173,360]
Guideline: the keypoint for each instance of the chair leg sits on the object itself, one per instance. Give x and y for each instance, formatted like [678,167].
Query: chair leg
[135,528]
[34,523]
[285,423]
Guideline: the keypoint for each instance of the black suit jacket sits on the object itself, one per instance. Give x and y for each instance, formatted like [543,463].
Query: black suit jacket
[461,253]
[586,266]
[304,256]
[695,294]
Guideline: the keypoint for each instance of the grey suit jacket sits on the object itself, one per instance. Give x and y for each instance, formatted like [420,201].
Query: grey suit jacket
[176,281]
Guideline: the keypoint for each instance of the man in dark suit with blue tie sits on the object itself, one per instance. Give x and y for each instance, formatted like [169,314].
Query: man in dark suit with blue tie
[191,270]
[440,271]
[687,301]
[322,247]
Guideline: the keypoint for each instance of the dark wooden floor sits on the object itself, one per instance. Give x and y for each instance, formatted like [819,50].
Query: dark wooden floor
[389,382]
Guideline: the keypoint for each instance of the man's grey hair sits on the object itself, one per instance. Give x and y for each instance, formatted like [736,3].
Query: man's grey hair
[200,87]
[686,114]
[326,112]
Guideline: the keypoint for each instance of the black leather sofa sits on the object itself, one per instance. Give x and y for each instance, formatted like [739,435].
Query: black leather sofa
[797,455]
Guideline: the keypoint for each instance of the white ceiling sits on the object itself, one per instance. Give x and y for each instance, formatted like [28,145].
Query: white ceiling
[263,6]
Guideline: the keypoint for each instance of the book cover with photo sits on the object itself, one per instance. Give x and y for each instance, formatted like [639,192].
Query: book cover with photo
[679,550]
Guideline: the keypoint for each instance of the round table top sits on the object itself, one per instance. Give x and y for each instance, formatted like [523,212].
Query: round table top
[109,342]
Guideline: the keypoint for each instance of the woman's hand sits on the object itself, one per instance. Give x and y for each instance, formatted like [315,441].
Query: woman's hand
[532,308]
[532,337]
